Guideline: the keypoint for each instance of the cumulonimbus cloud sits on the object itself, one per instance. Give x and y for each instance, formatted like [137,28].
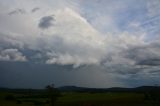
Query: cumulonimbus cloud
[70,39]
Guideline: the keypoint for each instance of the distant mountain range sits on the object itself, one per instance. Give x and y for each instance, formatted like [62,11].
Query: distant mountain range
[84,89]
[114,89]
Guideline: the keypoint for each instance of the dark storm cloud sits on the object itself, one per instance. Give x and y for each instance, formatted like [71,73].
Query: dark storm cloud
[123,69]
[35,9]
[28,74]
[144,59]
[144,54]
[150,62]
[46,22]
[17,11]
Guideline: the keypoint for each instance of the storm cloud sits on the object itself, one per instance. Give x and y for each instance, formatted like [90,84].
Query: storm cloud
[46,22]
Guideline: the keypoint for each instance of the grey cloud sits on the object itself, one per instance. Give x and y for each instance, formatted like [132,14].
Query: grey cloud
[11,55]
[10,41]
[150,62]
[46,22]
[144,54]
[35,9]
[155,71]
[17,11]
[31,74]
[142,59]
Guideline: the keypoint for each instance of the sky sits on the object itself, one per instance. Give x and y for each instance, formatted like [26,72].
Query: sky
[87,43]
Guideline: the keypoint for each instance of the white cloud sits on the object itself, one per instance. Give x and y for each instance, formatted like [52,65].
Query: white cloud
[11,55]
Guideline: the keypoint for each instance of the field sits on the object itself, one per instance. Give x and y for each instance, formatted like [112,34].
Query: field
[39,98]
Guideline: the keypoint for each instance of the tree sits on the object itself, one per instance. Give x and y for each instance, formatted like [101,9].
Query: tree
[53,94]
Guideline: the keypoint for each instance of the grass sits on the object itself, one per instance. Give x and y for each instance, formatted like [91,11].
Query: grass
[79,99]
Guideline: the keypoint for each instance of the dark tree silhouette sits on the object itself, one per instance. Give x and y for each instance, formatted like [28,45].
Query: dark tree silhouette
[53,94]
